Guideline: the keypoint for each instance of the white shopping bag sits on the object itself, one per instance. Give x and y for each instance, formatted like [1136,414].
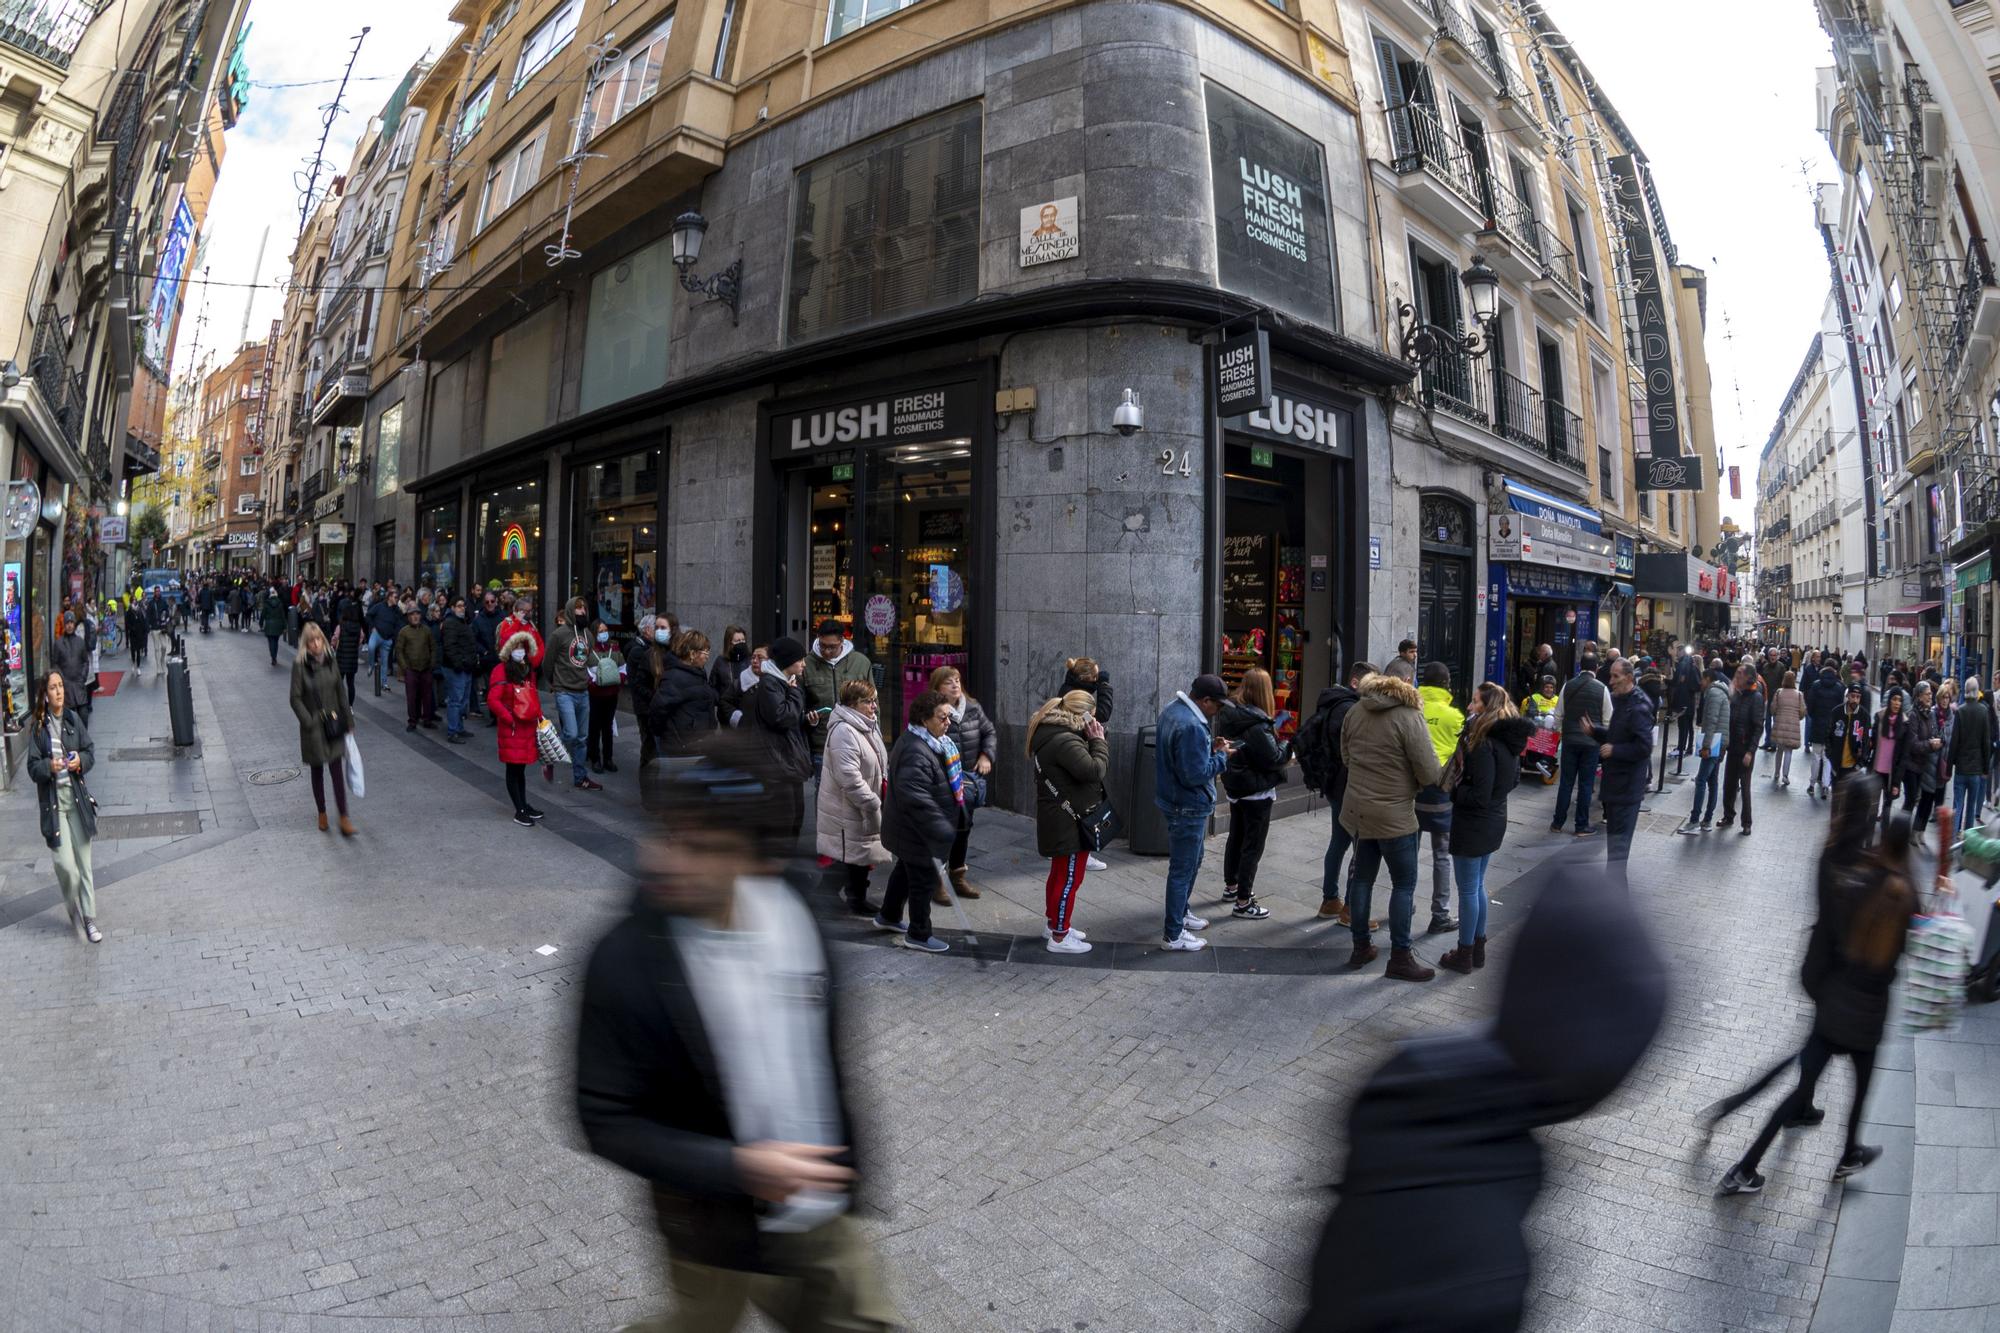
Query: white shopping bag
[356,783]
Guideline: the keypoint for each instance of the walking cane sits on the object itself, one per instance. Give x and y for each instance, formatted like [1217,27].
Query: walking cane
[964,924]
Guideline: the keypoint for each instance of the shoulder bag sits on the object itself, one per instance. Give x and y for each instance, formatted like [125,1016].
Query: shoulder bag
[1095,827]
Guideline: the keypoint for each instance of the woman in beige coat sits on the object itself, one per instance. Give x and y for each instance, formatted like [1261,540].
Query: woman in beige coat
[1788,711]
[850,793]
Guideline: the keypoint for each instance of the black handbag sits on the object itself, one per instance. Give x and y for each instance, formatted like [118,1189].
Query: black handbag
[1096,827]
[330,724]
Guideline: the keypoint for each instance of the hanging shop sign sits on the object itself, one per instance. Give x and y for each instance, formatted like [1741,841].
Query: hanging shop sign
[1298,419]
[1243,374]
[169,266]
[333,534]
[1551,509]
[1049,232]
[239,541]
[921,415]
[22,506]
[1665,468]
[1271,231]
[1625,553]
[1515,536]
[1878,624]
[1972,575]
[111,531]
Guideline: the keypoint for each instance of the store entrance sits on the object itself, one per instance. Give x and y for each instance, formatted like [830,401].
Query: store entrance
[881,541]
[1279,572]
[1529,626]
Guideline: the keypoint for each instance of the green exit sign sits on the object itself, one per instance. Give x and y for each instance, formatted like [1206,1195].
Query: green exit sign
[843,472]
[1260,456]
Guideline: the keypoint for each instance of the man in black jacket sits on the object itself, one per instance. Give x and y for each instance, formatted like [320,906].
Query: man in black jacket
[458,651]
[775,709]
[1823,699]
[485,634]
[1335,701]
[1626,750]
[708,1063]
[1682,697]
[921,817]
[1746,730]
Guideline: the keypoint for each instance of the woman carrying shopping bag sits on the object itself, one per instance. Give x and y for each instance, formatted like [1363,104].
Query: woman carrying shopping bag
[319,701]
[60,752]
[517,710]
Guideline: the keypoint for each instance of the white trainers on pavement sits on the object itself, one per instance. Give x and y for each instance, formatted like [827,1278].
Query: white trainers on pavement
[1193,922]
[1071,942]
[1076,932]
[1092,863]
[1187,942]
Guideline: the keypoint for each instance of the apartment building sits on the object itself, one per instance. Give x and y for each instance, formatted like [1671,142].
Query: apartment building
[293,491]
[102,99]
[227,489]
[826,318]
[1909,112]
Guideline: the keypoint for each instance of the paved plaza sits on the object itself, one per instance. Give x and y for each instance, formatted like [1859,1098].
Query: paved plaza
[311,1084]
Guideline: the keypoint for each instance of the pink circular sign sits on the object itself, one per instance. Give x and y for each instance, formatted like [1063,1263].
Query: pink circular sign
[879,615]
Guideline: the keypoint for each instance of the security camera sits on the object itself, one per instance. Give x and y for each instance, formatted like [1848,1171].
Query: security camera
[1130,418]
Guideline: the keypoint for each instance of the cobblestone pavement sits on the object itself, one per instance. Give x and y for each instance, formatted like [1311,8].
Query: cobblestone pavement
[308,1079]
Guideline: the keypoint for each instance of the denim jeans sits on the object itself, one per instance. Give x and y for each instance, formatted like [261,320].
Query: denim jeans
[1441,874]
[573,720]
[1470,872]
[1369,854]
[1186,834]
[1706,779]
[1336,852]
[1621,821]
[1579,769]
[1968,800]
[379,650]
[457,684]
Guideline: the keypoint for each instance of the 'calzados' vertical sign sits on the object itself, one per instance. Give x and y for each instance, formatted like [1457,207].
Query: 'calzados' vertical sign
[1668,469]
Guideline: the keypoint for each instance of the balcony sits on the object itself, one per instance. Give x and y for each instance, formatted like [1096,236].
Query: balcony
[141,458]
[311,491]
[1559,288]
[1506,405]
[48,30]
[59,389]
[342,382]
[1975,323]
[1510,233]
[1440,180]
[211,459]
[1467,50]
[1516,103]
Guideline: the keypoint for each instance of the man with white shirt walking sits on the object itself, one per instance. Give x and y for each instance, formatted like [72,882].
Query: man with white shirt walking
[1186,761]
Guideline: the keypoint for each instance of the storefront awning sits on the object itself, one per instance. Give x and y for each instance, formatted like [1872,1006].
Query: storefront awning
[1551,508]
[1912,612]
[1910,618]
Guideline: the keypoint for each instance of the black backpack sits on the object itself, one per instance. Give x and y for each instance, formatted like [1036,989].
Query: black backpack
[1317,748]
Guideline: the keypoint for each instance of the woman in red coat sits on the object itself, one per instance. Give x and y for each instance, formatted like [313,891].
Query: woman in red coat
[516,709]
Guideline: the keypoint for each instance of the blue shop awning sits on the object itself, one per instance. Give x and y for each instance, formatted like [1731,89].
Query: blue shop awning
[1551,508]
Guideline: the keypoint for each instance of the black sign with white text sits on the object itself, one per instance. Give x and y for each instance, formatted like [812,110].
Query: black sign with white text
[922,414]
[1243,374]
[1272,238]
[1666,469]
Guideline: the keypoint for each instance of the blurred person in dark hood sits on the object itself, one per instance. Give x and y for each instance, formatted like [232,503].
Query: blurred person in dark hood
[709,1065]
[1442,1163]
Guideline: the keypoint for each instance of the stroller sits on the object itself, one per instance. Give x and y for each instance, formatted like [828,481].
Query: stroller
[1542,756]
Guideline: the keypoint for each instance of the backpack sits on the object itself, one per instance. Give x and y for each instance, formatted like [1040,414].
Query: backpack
[1317,747]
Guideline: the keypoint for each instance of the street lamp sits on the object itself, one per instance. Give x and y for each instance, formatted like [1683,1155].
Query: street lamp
[1425,342]
[726,286]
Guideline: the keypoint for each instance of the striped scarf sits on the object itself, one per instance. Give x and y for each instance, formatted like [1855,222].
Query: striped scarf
[947,749]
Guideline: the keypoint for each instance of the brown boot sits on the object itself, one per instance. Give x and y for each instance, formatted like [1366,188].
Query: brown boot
[1403,966]
[1363,955]
[1479,951]
[346,827]
[322,821]
[958,882]
[1332,907]
[1458,960]
[939,896]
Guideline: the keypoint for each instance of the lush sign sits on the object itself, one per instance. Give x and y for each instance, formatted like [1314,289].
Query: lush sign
[1272,237]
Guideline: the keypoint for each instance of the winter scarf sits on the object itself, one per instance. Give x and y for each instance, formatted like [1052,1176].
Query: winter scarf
[947,749]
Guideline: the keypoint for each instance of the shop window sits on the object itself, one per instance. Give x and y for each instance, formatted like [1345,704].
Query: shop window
[437,544]
[888,228]
[614,558]
[517,376]
[626,330]
[509,528]
[628,81]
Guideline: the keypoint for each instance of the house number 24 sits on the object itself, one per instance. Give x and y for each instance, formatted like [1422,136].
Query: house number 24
[1182,463]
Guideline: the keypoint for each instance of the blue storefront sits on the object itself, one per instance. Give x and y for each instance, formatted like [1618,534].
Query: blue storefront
[1548,567]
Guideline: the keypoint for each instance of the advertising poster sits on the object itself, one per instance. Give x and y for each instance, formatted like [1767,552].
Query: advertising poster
[10,609]
[168,270]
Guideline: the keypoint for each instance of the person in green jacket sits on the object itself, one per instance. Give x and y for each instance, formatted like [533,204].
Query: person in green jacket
[832,662]
[415,652]
[1444,720]
[272,621]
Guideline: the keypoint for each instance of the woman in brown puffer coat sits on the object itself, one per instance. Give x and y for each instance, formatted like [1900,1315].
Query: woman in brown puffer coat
[1069,753]
[1788,712]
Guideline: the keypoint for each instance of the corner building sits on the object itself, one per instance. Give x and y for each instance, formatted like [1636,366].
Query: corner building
[957,254]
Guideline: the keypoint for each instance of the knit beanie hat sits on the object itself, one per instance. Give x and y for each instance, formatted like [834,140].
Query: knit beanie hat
[784,652]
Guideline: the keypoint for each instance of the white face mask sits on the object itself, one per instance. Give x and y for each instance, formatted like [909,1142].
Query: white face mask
[604,638]
[662,635]
[519,654]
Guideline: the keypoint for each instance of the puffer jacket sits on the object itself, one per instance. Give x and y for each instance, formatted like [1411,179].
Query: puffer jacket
[850,791]
[1389,759]
[1916,761]
[976,735]
[272,619]
[1746,720]
[1443,719]
[1489,772]
[516,708]
[1075,764]
[1971,748]
[921,817]
[1788,710]
[1714,717]
[1259,763]
[681,713]
[349,635]
[459,648]
[1630,737]
[1686,685]
[775,709]
[1823,700]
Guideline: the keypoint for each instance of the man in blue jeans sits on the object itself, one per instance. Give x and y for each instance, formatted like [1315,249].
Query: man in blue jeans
[1336,701]
[1390,758]
[385,621]
[1714,720]
[1187,757]
[1585,704]
[569,678]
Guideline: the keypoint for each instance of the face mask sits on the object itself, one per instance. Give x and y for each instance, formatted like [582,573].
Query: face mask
[580,617]
[740,653]
[519,654]
[604,638]
[662,635]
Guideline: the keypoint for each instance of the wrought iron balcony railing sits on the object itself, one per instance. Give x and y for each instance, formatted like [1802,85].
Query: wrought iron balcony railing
[1421,144]
[312,490]
[1973,281]
[48,30]
[1509,216]
[1507,405]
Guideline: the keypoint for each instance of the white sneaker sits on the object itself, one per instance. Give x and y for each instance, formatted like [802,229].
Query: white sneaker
[1075,932]
[1070,943]
[1193,922]
[1187,943]
[1092,863]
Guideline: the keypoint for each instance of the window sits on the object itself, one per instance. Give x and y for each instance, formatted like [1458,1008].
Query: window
[501,18]
[633,78]
[444,242]
[849,15]
[1645,504]
[512,174]
[725,41]
[549,37]
[517,375]
[1673,511]
[1579,234]
[389,450]
[1604,406]
[887,228]
[1895,293]
[625,333]
[473,115]
[247,467]
[246,503]
[423,208]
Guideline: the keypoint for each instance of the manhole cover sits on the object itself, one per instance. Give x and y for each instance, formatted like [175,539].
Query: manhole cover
[271,777]
[170,824]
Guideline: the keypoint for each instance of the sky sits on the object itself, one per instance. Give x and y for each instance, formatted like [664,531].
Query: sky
[292,42]
[1719,94]
[1727,125]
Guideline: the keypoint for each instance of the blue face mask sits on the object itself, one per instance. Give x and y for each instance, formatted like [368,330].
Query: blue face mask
[662,635]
